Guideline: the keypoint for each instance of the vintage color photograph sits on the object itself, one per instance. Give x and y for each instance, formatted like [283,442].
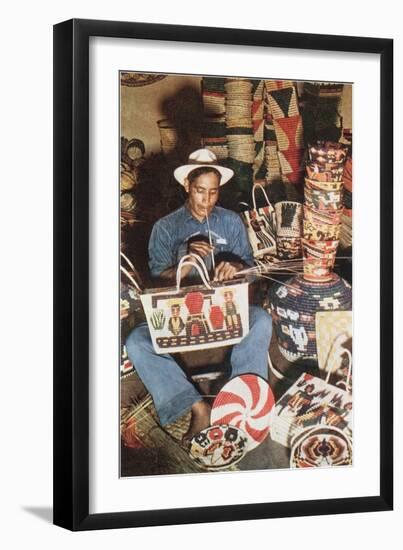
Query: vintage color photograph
[236,274]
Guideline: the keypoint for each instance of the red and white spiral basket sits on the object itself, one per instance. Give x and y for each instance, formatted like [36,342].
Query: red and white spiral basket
[245,402]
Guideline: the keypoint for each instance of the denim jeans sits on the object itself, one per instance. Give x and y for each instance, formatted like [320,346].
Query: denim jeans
[172,392]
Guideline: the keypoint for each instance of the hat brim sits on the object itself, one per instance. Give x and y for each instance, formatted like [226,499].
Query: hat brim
[182,172]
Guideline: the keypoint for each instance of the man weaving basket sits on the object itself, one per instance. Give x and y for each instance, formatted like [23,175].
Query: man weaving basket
[218,236]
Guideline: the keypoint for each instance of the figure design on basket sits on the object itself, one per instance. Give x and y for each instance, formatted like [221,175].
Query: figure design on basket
[326,413]
[232,317]
[175,323]
[204,321]
[311,402]
[299,402]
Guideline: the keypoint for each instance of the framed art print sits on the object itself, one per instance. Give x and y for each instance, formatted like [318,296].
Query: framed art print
[223,274]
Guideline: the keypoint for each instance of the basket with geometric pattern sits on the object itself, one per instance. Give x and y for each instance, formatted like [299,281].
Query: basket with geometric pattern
[293,306]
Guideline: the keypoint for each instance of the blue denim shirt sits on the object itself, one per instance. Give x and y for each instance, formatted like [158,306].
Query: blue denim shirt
[170,235]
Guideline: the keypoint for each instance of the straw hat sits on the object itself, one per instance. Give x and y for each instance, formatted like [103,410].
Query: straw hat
[199,158]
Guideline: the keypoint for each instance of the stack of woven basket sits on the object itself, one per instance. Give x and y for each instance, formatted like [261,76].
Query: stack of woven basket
[293,305]
[132,155]
[213,96]
[238,103]
[214,127]
[323,208]
[322,108]
[272,164]
[346,218]
[215,135]
[239,131]
[258,106]
[282,107]
[169,136]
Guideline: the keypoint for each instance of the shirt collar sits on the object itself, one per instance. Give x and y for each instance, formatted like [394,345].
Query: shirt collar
[189,217]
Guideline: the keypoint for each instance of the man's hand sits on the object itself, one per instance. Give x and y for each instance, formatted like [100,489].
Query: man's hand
[202,248]
[225,271]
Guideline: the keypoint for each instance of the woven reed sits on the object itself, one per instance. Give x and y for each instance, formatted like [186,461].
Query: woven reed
[151,434]
[277,84]
[220,151]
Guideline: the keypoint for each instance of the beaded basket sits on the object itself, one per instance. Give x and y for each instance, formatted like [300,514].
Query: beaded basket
[293,306]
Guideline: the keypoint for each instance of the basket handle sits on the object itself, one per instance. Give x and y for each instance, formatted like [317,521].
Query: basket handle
[348,379]
[254,195]
[195,261]
[349,356]
[195,258]
[125,271]
[130,277]
[126,259]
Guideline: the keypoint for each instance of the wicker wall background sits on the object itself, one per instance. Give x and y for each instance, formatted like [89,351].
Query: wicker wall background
[142,107]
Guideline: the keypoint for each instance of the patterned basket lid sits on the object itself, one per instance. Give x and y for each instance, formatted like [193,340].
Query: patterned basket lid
[322,446]
[218,447]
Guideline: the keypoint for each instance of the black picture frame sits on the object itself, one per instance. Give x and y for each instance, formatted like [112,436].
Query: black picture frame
[71,273]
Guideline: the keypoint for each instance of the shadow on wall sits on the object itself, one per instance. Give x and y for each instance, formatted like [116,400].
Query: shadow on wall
[157,191]
[181,126]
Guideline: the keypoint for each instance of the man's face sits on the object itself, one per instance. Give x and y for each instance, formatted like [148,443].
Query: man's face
[203,194]
[228,296]
[175,311]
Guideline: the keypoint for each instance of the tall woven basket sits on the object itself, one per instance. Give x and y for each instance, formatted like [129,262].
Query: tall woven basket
[293,306]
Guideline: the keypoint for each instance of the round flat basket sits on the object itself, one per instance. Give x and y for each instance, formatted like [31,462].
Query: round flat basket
[322,446]
[245,402]
[218,447]
[139,79]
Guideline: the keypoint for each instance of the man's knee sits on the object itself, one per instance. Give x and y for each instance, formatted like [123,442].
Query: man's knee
[138,341]
[260,320]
